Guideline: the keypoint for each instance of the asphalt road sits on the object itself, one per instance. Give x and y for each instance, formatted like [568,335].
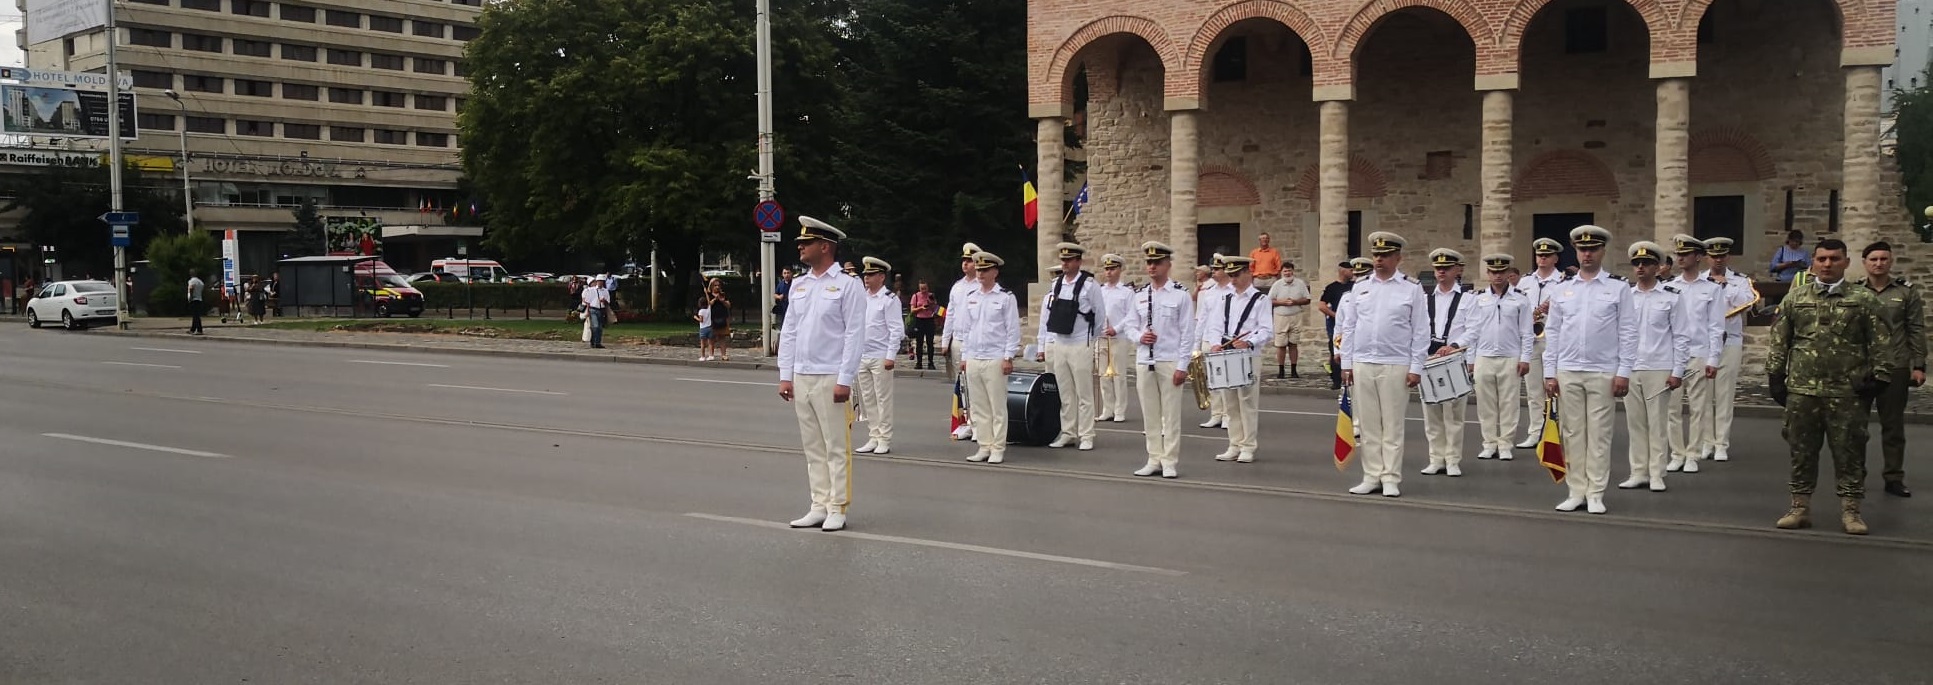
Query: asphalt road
[189,511]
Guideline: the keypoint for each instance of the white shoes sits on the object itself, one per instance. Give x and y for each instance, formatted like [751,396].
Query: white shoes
[866,448]
[1453,471]
[1060,442]
[1118,418]
[1505,454]
[1487,453]
[1389,490]
[1226,456]
[1658,484]
[1570,504]
[1633,483]
[1676,464]
[1691,466]
[1432,469]
[1086,445]
[1529,443]
[979,456]
[1211,422]
[1245,458]
[1366,488]
[997,457]
[1169,472]
[1148,470]
[811,519]
[881,449]
[1720,455]
[834,522]
[1595,506]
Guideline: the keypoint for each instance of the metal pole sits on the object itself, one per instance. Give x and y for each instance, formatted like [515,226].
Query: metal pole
[187,193]
[766,191]
[654,276]
[114,162]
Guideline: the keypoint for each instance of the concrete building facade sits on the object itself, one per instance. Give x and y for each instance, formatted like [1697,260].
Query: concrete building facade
[352,103]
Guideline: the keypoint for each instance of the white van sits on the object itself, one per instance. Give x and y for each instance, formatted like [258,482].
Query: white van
[476,270]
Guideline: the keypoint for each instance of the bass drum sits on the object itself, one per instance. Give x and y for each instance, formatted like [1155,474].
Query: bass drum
[1033,408]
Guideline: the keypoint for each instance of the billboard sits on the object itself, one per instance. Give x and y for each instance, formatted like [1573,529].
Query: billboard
[60,112]
[53,19]
[353,235]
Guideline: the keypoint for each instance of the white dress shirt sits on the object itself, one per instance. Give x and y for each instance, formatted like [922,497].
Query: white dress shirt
[1738,291]
[1289,289]
[1500,326]
[885,326]
[1170,312]
[1444,325]
[1222,322]
[1386,322]
[1089,301]
[1116,299]
[1586,315]
[825,326]
[1210,291]
[956,300]
[990,325]
[1704,316]
[595,296]
[1664,329]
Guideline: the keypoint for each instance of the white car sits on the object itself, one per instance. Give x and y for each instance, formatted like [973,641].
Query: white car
[75,304]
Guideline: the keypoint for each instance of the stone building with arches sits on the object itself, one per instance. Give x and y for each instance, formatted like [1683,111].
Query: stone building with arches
[1472,124]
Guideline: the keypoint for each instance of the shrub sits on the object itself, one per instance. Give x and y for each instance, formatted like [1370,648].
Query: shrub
[174,258]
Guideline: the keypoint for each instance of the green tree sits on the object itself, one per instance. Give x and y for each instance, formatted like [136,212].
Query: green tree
[307,239]
[64,205]
[1914,112]
[174,258]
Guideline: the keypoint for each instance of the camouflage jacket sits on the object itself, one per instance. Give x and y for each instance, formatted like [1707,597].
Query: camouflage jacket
[1824,344]
[1904,313]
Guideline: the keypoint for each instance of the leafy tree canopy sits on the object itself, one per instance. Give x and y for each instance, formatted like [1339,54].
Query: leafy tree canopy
[64,205]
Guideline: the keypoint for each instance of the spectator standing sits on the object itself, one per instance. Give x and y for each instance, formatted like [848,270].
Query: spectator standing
[1330,302]
[779,291]
[925,308]
[257,299]
[704,330]
[1790,258]
[597,301]
[195,288]
[1288,295]
[1265,263]
[721,319]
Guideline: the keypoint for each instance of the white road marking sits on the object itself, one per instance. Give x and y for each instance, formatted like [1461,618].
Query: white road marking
[372,361]
[1331,414]
[1077,561]
[134,445]
[475,387]
[710,380]
[164,349]
[151,366]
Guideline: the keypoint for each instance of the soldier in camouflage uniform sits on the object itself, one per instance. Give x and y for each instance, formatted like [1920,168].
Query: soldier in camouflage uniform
[1903,312]
[1821,369]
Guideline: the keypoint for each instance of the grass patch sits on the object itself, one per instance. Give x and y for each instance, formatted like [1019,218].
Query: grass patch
[514,329]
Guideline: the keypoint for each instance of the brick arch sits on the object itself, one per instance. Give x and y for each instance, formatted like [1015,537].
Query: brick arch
[1659,27]
[1366,180]
[1146,29]
[1565,173]
[1693,12]
[1729,155]
[1297,21]
[1465,14]
[1222,186]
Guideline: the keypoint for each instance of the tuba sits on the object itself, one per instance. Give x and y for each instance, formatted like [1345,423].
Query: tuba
[1198,379]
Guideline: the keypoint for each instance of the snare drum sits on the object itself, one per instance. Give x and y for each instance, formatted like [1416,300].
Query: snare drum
[1445,379]
[1229,369]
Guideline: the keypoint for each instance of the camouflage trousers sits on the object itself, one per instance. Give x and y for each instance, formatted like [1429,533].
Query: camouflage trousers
[1838,423]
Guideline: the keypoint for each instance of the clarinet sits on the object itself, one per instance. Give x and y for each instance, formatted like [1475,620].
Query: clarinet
[1151,290]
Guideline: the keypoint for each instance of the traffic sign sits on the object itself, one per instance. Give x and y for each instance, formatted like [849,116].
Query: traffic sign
[120,232]
[768,236]
[769,216]
[123,218]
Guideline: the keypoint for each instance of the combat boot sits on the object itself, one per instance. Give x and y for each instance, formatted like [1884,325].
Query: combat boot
[1849,517]
[1800,516]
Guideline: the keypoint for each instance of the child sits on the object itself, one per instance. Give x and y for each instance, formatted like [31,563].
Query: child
[704,332]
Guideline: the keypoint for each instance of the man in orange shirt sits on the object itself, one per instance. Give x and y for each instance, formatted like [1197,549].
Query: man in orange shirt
[1265,263]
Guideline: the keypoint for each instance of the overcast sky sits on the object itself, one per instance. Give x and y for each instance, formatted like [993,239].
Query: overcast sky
[9,22]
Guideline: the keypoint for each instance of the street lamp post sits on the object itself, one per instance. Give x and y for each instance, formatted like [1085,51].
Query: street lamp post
[187,194]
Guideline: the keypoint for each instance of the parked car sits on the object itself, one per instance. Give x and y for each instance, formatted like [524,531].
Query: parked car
[480,270]
[433,277]
[75,304]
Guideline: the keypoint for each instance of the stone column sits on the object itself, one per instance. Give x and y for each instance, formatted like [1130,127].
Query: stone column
[1859,194]
[1184,178]
[1332,190]
[1049,142]
[1671,213]
[1495,231]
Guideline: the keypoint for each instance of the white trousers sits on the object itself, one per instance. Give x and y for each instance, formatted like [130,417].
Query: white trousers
[1645,425]
[1160,411]
[1244,407]
[1724,392]
[987,393]
[1443,429]
[1584,411]
[1499,389]
[1690,438]
[1073,369]
[825,427]
[876,397]
[1534,393]
[1114,391]
[1382,412]
[1217,405]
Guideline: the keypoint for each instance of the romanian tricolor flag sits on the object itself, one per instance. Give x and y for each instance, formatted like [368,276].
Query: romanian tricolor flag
[1345,431]
[1029,201]
[1550,449]
[959,404]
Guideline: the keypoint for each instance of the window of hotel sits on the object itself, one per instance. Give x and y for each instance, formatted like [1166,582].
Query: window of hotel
[379,22]
[303,131]
[425,65]
[156,122]
[464,33]
[150,38]
[427,29]
[425,139]
[260,89]
[299,53]
[392,137]
[252,8]
[382,98]
[153,79]
[467,3]
[201,84]
[462,68]
[163,3]
[459,105]
[251,127]
[347,134]
[200,43]
[252,48]
[210,5]
[349,58]
[345,96]
[344,18]
[207,125]
[297,91]
[298,13]
[433,103]
[378,60]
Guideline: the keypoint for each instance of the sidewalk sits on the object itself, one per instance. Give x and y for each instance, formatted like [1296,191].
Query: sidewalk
[1751,401]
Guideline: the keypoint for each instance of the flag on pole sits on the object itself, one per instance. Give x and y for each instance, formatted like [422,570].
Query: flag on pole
[959,405]
[1345,431]
[1080,200]
[1550,449]
[1029,201]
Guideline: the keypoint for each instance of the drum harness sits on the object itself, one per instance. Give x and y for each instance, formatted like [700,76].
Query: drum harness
[1228,302]
[1438,341]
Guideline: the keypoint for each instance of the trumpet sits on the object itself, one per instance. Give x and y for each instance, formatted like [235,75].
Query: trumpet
[1106,353]
[1198,379]
[1743,307]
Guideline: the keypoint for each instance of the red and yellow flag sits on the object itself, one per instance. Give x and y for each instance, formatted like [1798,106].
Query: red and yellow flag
[959,405]
[1029,201]
[1345,431]
[1550,449]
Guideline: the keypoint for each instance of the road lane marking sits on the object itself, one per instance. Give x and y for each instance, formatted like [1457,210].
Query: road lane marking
[164,349]
[477,387]
[151,366]
[135,445]
[1332,414]
[712,380]
[957,546]
[372,361]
